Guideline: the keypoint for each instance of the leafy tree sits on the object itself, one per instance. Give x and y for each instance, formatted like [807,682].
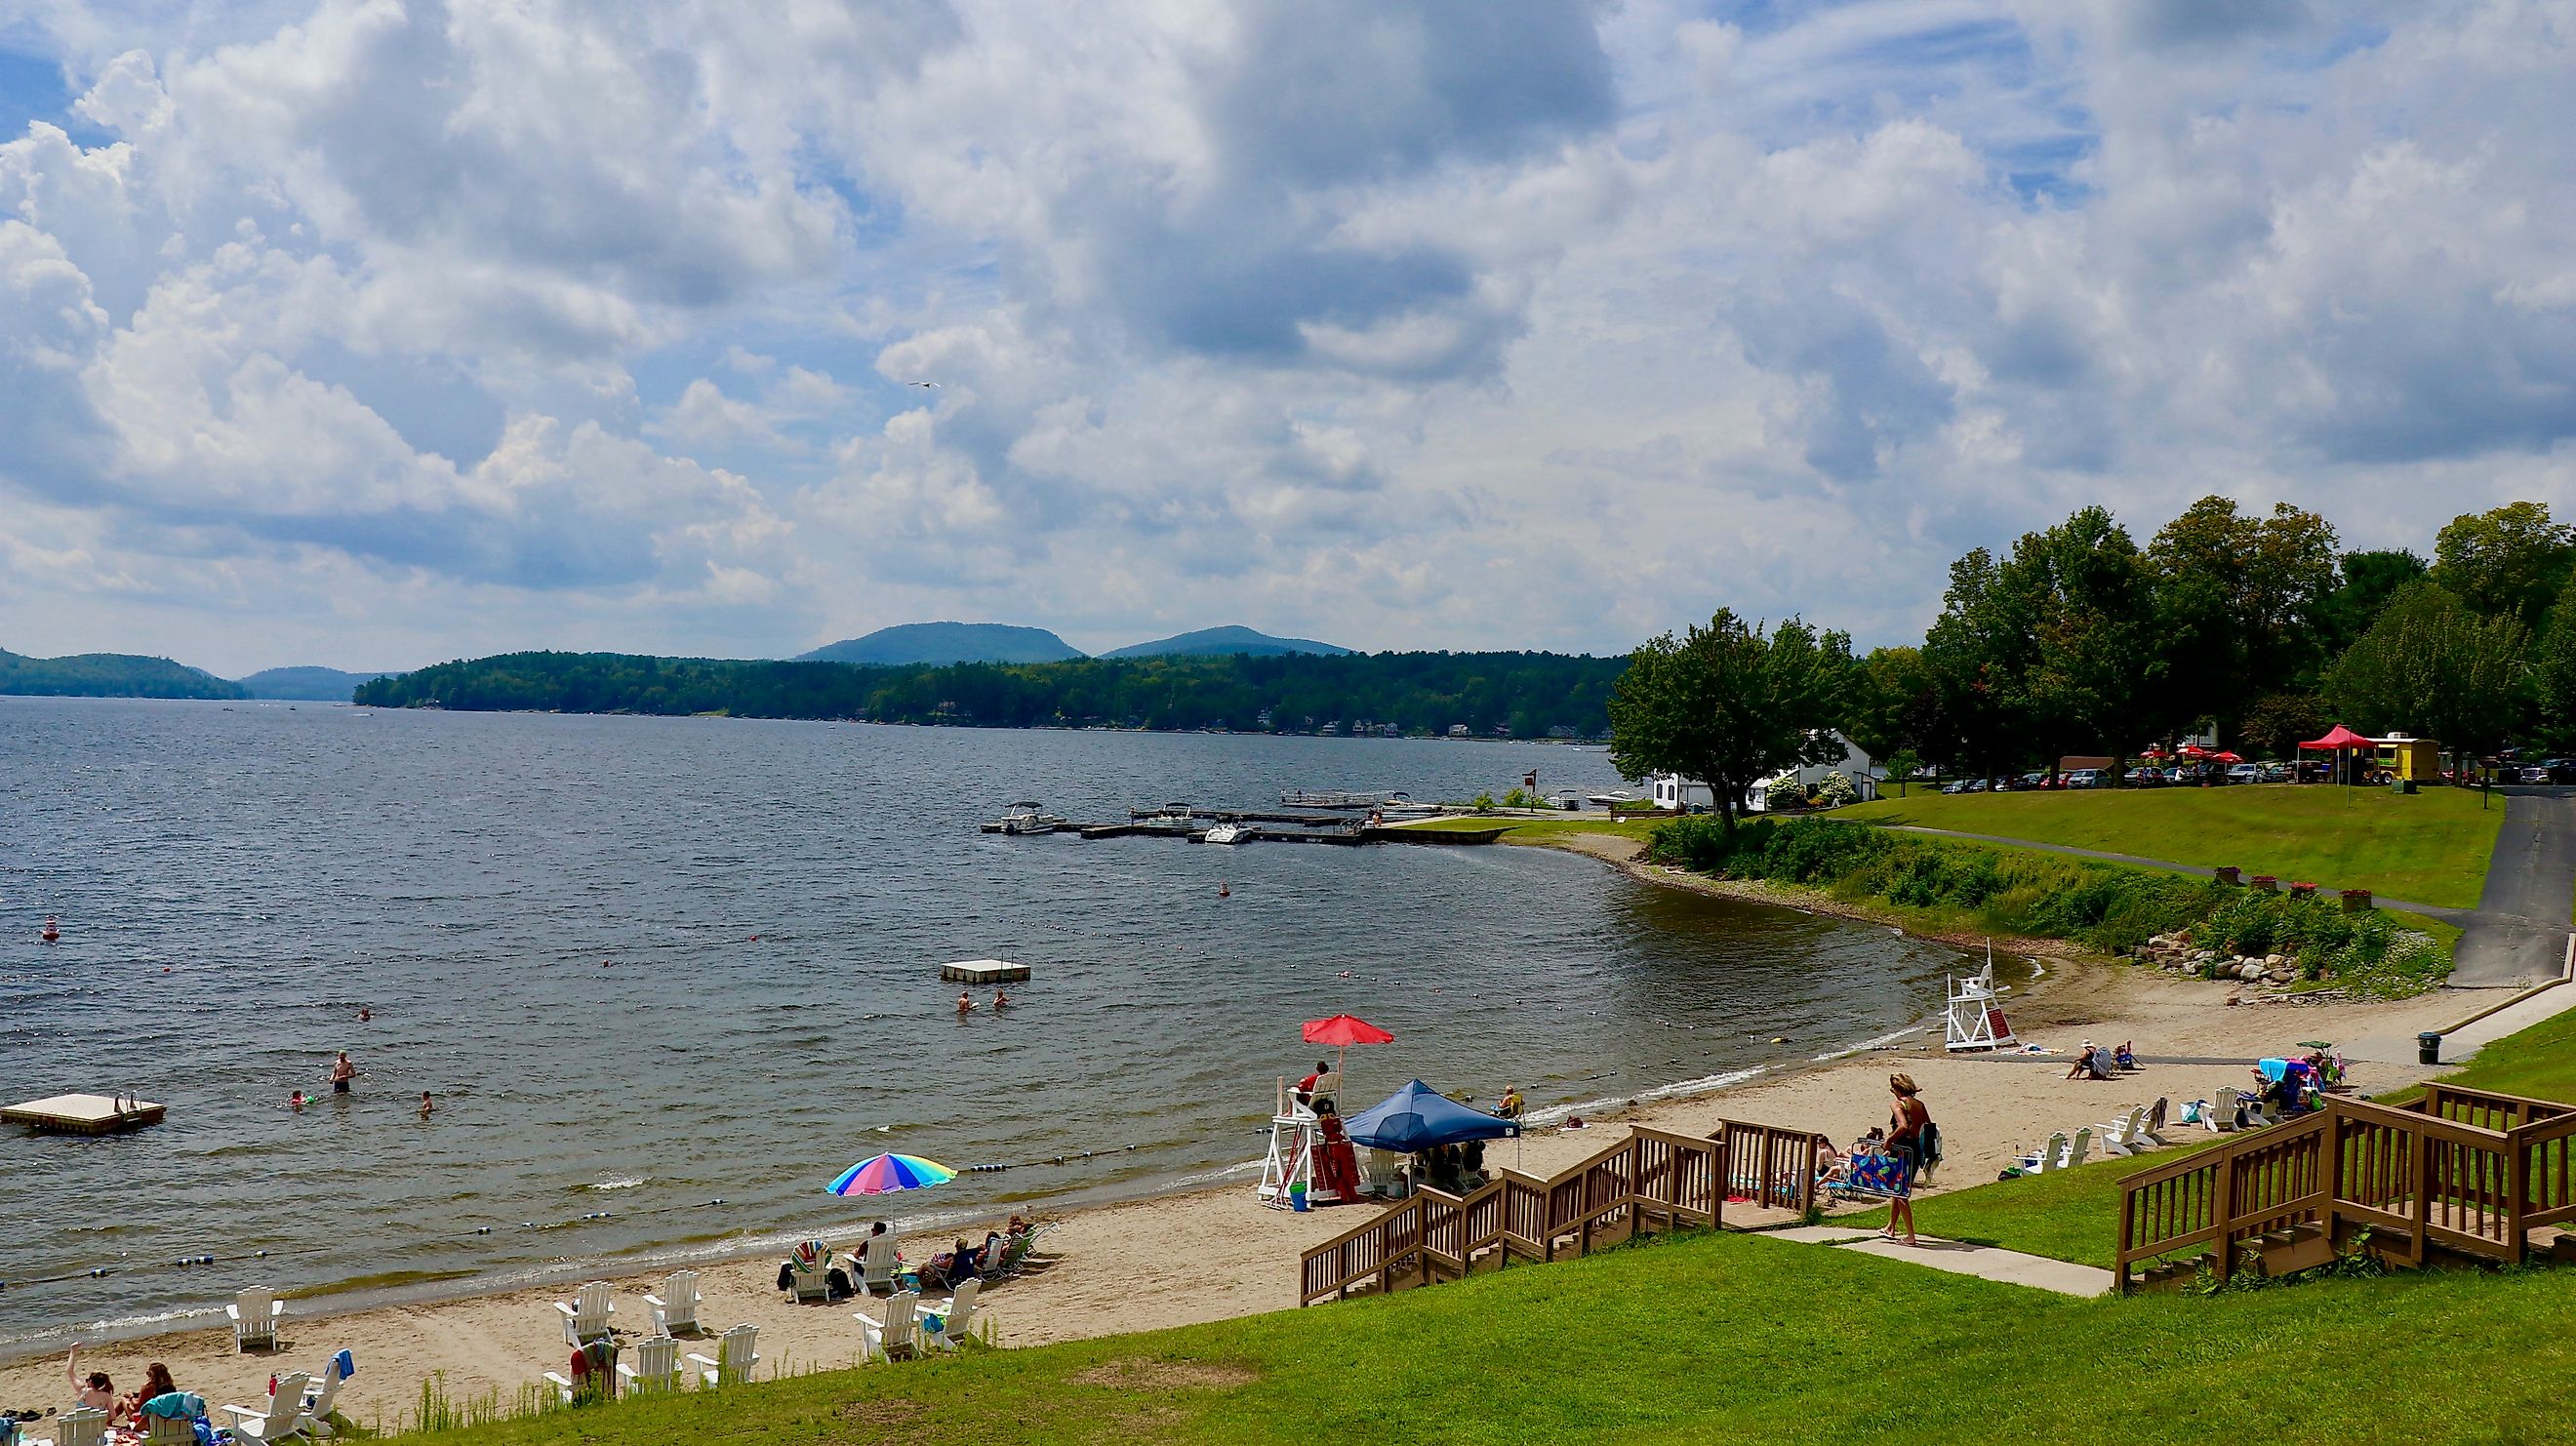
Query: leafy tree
[1893,704]
[2095,674]
[2553,672]
[2507,562]
[2279,722]
[1729,705]
[2370,579]
[2239,602]
[2432,667]
[1976,653]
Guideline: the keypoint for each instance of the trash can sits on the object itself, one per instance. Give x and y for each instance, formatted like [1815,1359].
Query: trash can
[2428,1048]
[2401,785]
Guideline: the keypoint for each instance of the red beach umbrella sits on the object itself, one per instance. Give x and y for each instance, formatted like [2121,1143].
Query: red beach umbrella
[2225,758]
[1341,1031]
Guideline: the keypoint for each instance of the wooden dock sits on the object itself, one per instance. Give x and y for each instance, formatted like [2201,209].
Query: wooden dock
[84,1114]
[984,971]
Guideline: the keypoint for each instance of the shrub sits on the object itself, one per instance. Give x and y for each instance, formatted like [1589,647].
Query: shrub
[1836,790]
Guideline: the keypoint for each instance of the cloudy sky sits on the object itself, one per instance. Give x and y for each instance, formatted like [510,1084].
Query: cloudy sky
[374,332]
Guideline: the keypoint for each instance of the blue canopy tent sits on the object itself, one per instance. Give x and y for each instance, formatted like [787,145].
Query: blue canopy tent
[1418,1117]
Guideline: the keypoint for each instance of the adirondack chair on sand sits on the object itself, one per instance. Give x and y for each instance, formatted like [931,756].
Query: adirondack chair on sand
[894,1336]
[586,1317]
[676,1309]
[255,1314]
[282,1418]
[735,1355]
[656,1367]
[956,1316]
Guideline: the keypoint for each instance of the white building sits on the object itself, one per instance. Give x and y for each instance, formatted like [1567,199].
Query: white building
[1672,791]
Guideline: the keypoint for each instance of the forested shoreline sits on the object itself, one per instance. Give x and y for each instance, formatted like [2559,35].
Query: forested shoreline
[1523,695]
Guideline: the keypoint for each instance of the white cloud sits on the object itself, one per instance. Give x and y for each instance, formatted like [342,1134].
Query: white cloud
[460,324]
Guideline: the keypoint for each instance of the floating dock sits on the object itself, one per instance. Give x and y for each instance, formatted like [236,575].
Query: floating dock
[984,971]
[84,1114]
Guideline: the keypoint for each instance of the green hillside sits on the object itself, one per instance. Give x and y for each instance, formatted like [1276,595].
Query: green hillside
[2431,847]
[108,675]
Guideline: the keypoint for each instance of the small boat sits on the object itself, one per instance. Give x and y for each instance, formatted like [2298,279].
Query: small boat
[1027,818]
[1229,833]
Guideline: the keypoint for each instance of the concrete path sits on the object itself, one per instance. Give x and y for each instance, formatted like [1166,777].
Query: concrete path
[2037,1272]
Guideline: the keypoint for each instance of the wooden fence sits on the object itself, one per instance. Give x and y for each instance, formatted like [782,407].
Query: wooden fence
[1652,1180]
[2465,1170]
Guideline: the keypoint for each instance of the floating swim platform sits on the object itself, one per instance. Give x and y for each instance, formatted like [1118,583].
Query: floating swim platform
[84,1114]
[984,971]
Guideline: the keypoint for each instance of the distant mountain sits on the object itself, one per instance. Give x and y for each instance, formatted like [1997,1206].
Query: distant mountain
[328,685]
[944,643]
[108,675]
[1218,642]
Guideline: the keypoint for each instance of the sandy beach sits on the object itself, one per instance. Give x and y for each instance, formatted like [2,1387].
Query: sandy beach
[1217,1253]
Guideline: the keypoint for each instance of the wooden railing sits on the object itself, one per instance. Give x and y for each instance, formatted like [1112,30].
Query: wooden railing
[2464,1169]
[1652,1180]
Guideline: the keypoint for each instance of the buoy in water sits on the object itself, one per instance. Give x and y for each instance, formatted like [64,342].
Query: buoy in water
[1779,1039]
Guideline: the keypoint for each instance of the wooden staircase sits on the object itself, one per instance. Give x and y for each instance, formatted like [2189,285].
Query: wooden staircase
[2459,1175]
[1652,1180]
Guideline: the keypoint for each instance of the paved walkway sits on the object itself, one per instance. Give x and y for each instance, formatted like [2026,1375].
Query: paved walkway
[2037,1272]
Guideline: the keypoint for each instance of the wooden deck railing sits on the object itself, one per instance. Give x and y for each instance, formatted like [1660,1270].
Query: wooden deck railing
[1652,1180]
[2468,1170]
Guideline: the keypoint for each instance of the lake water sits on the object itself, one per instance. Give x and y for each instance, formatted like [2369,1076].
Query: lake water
[649,964]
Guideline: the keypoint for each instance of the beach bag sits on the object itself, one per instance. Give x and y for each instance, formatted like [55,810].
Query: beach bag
[1927,1143]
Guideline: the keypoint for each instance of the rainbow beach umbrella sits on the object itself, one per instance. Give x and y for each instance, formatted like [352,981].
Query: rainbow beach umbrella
[885,1174]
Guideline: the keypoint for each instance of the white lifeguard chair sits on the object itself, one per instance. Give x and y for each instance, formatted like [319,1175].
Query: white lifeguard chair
[1975,1016]
[1288,1170]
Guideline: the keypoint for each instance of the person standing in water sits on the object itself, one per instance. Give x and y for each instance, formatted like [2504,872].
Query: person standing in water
[1001,1001]
[342,1072]
[425,1105]
[965,1003]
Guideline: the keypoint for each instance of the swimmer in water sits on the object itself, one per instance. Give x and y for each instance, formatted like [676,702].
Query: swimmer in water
[1224,890]
[297,1103]
[1001,1001]
[965,1002]
[51,933]
[425,1105]
[365,1014]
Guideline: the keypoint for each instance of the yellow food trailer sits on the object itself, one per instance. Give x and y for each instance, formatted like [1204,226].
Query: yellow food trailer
[2416,759]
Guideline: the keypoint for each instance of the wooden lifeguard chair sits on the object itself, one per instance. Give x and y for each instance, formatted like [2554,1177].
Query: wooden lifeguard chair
[1974,1016]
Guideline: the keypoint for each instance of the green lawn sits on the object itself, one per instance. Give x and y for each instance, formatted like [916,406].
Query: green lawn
[1547,830]
[2431,847]
[2076,1215]
[1712,1338]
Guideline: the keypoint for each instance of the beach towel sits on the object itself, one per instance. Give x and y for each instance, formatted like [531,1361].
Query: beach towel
[176,1405]
[2272,1069]
[347,1363]
[1877,1175]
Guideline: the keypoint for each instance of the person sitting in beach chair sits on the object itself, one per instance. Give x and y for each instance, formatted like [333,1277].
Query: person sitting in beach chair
[2124,1057]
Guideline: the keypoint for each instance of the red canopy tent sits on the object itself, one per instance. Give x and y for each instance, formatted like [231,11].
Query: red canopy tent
[2337,740]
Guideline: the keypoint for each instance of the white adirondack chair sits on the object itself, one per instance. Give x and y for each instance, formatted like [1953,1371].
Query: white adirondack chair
[319,1402]
[2046,1157]
[895,1336]
[2257,1112]
[2157,1115]
[656,1366]
[956,1317]
[169,1430]
[2077,1147]
[2222,1112]
[586,1319]
[735,1355]
[283,1418]
[676,1308]
[878,1263]
[81,1426]
[254,1315]
[810,1279]
[2127,1134]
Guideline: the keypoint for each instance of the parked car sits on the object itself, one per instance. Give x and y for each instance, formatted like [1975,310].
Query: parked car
[2276,773]
[2086,778]
[1965,785]
[2562,770]
[2534,773]
[2244,773]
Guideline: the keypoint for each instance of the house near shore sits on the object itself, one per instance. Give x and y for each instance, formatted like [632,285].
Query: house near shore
[1677,794]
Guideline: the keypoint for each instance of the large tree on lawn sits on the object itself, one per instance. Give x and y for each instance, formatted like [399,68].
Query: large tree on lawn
[2432,667]
[1729,705]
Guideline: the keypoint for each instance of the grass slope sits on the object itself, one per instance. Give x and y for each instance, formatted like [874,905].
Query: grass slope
[1701,1339]
[2430,847]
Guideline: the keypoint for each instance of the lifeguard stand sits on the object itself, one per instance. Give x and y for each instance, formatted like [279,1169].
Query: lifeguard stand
[1290,1164]
[1975,1016]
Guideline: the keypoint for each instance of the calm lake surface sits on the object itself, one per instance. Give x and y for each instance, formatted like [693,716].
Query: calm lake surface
[649,964]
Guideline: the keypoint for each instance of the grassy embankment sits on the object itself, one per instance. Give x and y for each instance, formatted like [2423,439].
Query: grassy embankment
[2075,1215]
[1733,1337]
[2428,848]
